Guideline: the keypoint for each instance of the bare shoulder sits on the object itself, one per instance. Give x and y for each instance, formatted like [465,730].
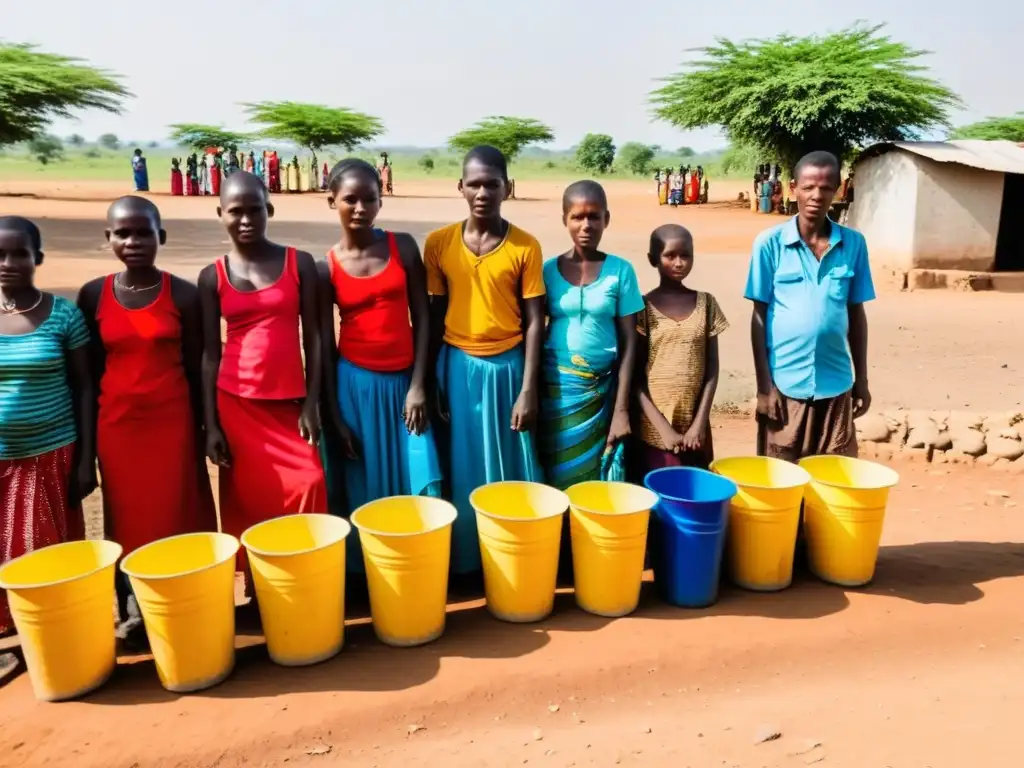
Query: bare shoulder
[208,277]
[305,262]
[89,294]
[184,292]
[408,248]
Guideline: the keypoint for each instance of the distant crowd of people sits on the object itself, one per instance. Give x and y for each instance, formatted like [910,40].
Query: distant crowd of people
[687,186]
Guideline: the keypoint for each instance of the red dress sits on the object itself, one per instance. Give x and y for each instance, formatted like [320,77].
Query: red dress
[155,482]
[260,388]
[177,183]
[215,179]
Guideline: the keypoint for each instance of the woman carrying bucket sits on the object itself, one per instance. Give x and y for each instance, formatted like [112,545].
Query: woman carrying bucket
[678,353]
[260,401]
[376,398]
[589,352]
[47,416]
[146,352]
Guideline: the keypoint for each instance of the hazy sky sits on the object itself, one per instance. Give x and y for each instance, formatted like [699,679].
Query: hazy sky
[431,67]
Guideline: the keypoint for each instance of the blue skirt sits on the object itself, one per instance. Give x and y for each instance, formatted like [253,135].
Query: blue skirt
[392,462]
[481,446]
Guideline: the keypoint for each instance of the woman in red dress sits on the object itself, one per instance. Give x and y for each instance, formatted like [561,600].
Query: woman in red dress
[262,421]
[146,354]
[177,182]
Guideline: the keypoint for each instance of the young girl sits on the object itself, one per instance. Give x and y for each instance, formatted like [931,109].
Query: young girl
[47,406]
[262,422]
[679,330]
[485,277]
[146,352]
[589,353]
[377,397]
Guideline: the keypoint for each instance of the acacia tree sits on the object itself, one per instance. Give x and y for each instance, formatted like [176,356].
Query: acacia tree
[46,148]
[314,126]
[509,134]
[636,157]
[37,87]
[787,96]
[993,129]
[596,153]
[198,137]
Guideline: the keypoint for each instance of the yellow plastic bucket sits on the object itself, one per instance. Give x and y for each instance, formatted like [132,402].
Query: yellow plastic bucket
[608,526]
[520,529]
[844,510]
[185,587]
[298,570]
[407,542]
[62,601]
[764,517]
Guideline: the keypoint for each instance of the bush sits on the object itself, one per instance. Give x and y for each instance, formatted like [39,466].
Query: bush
[46,148]
[93,153]
[596,153]
[426,163]
[109,141]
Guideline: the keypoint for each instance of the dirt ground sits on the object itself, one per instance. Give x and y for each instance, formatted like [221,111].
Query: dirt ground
[922,668]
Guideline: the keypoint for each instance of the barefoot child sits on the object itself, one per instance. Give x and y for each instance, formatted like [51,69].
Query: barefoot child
[377,396]
[590,350]
[146,352]
[679,360]
[262,422]
[485,278]
[47,416]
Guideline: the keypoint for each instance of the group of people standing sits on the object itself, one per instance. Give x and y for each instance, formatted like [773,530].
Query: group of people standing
[204,175]
[476,362]
[687,186]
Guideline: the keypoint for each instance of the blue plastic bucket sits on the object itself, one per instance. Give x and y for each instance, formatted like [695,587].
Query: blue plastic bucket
[688,532]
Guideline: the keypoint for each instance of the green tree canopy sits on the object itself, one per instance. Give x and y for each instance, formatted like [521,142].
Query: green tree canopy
[636,157]
[109,141]
[686,152]
[75,140]
[787,96]
[508,134]
[198,137]
[36,88]
[596,153]
[314,126]
[46,148]
[993,129]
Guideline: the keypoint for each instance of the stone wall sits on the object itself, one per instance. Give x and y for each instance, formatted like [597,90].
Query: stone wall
[944,437]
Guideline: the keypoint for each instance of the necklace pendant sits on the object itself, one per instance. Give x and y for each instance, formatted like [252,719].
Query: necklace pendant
[8,305]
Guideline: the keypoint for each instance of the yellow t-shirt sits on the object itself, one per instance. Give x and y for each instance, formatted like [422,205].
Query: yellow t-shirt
[484,314]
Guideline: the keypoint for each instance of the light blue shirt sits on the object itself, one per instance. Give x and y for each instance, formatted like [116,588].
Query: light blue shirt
[808,303]
[583,318]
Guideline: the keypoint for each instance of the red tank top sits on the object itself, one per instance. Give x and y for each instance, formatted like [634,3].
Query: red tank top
[144,368]
[376,332]
[262,357]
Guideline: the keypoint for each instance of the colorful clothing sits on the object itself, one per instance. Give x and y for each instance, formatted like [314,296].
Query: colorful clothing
[146,439]
[481,393]
[375,344]
[140,173]
[485,292]
[36,413]
[677,350]
[808,307]
[261,382]
[34,509]
[580,353]
[177,183]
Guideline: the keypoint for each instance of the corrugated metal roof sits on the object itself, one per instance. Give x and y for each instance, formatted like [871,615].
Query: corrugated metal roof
[997,156]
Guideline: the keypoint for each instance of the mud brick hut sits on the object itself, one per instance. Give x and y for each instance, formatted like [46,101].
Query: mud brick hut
[944,214]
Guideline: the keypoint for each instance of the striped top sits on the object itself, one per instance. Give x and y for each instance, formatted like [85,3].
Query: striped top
[676,351]
[36,414]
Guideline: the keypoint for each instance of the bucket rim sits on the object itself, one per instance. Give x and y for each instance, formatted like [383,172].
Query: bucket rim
[604,513]
[163,577]
[449,508]
[265,553]
[668,497]
[507,518]
[55,582]
[759,486]
[893,475]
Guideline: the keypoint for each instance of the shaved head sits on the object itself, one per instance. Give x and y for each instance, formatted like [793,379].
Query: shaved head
[665,233]
[585,191]
[241,182]
[133,205]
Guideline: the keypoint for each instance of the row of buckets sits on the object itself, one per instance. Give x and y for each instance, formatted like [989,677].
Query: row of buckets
[746,509]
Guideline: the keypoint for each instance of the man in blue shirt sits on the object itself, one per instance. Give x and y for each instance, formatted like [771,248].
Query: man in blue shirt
[809,279]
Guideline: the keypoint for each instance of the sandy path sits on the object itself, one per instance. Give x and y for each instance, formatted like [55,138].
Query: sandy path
[923,668]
